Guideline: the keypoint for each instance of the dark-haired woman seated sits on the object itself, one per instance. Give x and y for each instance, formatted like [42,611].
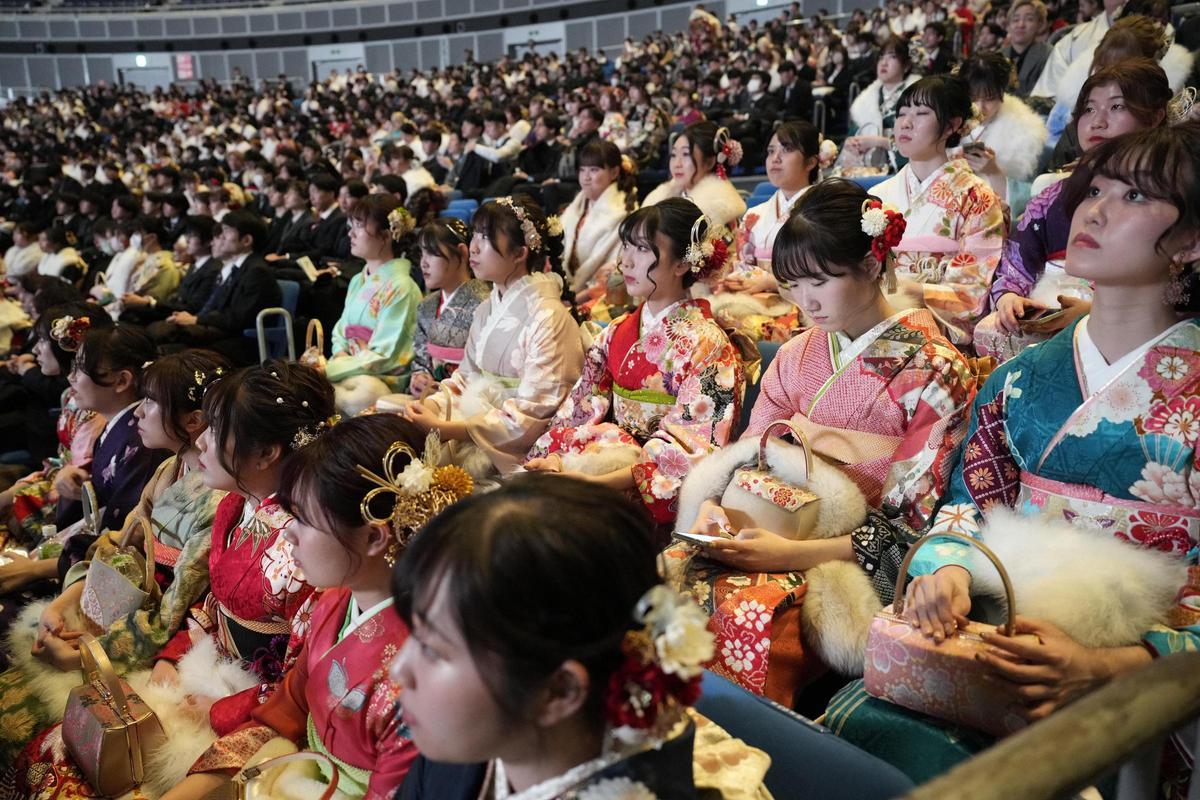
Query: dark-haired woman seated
[539,664]
[881,395]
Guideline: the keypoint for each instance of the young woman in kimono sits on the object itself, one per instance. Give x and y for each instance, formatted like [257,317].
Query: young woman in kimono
[157,275]
[955,223]
[232,652]
[105,378]
[351,520]
[1030,281]
[661,386]
[749,295]
[30,502]
[873,112]
[879,393]
[507,693]
[179,510]
[700,159]
[524,351]
[1095,428]
[444,316]
[373,338]
[607,194]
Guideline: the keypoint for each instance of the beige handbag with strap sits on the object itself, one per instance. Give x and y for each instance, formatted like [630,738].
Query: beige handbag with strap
[107,729]
[119,580]
[757,497]
[314,345]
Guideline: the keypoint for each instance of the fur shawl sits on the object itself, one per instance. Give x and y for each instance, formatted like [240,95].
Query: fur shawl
[1101,591]
[1177,63]
[715,196]
[595,243]
[840,601]
[1017,135]
[865,112]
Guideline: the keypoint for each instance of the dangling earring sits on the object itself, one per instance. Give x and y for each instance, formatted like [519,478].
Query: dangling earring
[393,552]
[1177,292]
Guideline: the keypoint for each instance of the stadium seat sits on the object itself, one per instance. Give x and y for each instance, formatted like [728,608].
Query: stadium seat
[278,338]
[807,760]
[464,214]
[867,181]
[766,351]
[465,202]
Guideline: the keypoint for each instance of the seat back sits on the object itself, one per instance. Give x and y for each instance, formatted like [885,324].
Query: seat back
[289,292]
[807,760]
[766,351]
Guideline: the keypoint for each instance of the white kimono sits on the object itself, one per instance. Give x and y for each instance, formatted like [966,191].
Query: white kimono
[523,355]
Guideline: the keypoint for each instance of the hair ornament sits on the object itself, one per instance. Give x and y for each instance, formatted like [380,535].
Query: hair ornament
[708,254]
[663,660]
[422,489]
[533,239]
[307,434]
[885,225]
[201,380]
[827,152]
[68,332]
[728,150]
[458,228]
[1181,105]
[627,165]
[400,223]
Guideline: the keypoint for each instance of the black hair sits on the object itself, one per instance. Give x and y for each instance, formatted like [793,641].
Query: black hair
[823,235]
[178,382]
[898,47]
[58,236]
[373,211]
[492,219]
[321,486]
[393,184]
[513,564]
[430,135]
[605,154]
[802,135]
[264,406]
[203,227]
[947,97]
[110,349]
[177,200]
[151,226]
[247,223]
[128,203]
[326,182]
[442,236]
[356,188]
[674,219]
[987,75]
[702,139]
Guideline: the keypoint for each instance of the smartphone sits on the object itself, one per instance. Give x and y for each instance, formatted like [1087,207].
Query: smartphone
[697,538]
[1037,317]
[974,147]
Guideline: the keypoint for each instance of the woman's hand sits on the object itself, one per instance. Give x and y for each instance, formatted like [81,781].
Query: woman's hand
[711,520]
[750,282]
[550,463]
[1011,307]
[421,415]
[939,603]
[69,482]
[1053,670]
[982,160]
[165,674]
[755,550]
[61,652]
[18,573]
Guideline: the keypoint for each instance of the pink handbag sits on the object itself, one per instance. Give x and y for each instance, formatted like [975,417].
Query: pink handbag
[941,680]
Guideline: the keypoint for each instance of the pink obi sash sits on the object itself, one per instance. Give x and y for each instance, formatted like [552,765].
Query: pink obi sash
[359,333]
[449,355]
[1171,529]
[165,555]
[927,243]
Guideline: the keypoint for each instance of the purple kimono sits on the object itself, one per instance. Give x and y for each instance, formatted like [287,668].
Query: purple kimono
[1040,236]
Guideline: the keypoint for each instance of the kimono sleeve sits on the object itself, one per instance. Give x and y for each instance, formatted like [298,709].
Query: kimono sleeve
[1025,253]
[937,405]
[707,408]
[390,347]
[961,294]
[337,337]
[394,751]
[590,399]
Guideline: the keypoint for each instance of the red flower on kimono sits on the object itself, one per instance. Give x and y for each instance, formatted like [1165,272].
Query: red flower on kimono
[1179,419]
[1158,531]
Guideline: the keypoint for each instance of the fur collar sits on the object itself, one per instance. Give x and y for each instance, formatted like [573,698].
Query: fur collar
[1177,63]
[715,196]
[1017,135]
[597,241]
[865,111]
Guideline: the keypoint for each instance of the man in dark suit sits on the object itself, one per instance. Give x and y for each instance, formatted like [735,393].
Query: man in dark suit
[938,58]
[1026,19]
[328,236]
[244,286]
[175,217]
[794,95]
[295,227]
[194,290]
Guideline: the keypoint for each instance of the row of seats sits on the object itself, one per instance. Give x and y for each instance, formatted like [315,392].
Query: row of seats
[763,191]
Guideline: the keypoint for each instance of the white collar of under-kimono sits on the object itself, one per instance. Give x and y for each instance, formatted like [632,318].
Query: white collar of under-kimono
[914,187]
[500,306]
[843,350]
[783,205]
[1095,371]
[251,507]
[355,617]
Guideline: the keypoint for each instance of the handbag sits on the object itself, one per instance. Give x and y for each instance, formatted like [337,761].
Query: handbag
[943,680]
[257,782]
[107,728]
[119,580]
[314,345]
[757,497]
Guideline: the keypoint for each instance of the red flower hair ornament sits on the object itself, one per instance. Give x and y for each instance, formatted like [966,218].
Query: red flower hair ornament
[885,225]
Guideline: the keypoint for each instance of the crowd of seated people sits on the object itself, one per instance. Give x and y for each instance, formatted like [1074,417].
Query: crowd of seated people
[484,538]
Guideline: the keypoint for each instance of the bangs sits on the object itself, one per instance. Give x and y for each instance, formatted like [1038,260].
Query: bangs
[638,228]
[800,261]
[920,93]
[1157,172]
[491,218]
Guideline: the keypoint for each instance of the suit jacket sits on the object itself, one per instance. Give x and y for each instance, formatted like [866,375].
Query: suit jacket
[942,63]
[795,101]
[327,238]
[435,169]
[253,288]
[294,236]
[1029,65]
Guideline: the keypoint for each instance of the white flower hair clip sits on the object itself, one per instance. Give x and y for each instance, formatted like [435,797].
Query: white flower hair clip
[533,239]
[400,223]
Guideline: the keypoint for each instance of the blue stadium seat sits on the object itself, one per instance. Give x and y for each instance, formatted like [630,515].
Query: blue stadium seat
[867,181]
[764,188]
[277,334]
[807,760]
[464,202]
[462,213]
[767,351]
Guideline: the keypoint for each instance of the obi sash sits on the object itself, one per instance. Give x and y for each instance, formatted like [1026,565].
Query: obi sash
[449,355]
[1172,529]
[241,637]
[359,333]
[847,446]
[164,554]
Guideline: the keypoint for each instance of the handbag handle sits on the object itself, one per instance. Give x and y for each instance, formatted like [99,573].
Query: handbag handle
[797,434]
[98,669]
[449,400]
[314,325]
[90,516]
[151,585]
[250,773]
[902,578]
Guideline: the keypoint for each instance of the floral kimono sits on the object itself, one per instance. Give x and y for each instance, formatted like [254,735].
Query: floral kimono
[522,356]
[889,410]
[180,510]
[34,501]
[443,323]
[766,317]
[336,700]
[157,276]
[236,648]
[655,394]
[1112,452]
[1032,265]
[375,331]
[952,243]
